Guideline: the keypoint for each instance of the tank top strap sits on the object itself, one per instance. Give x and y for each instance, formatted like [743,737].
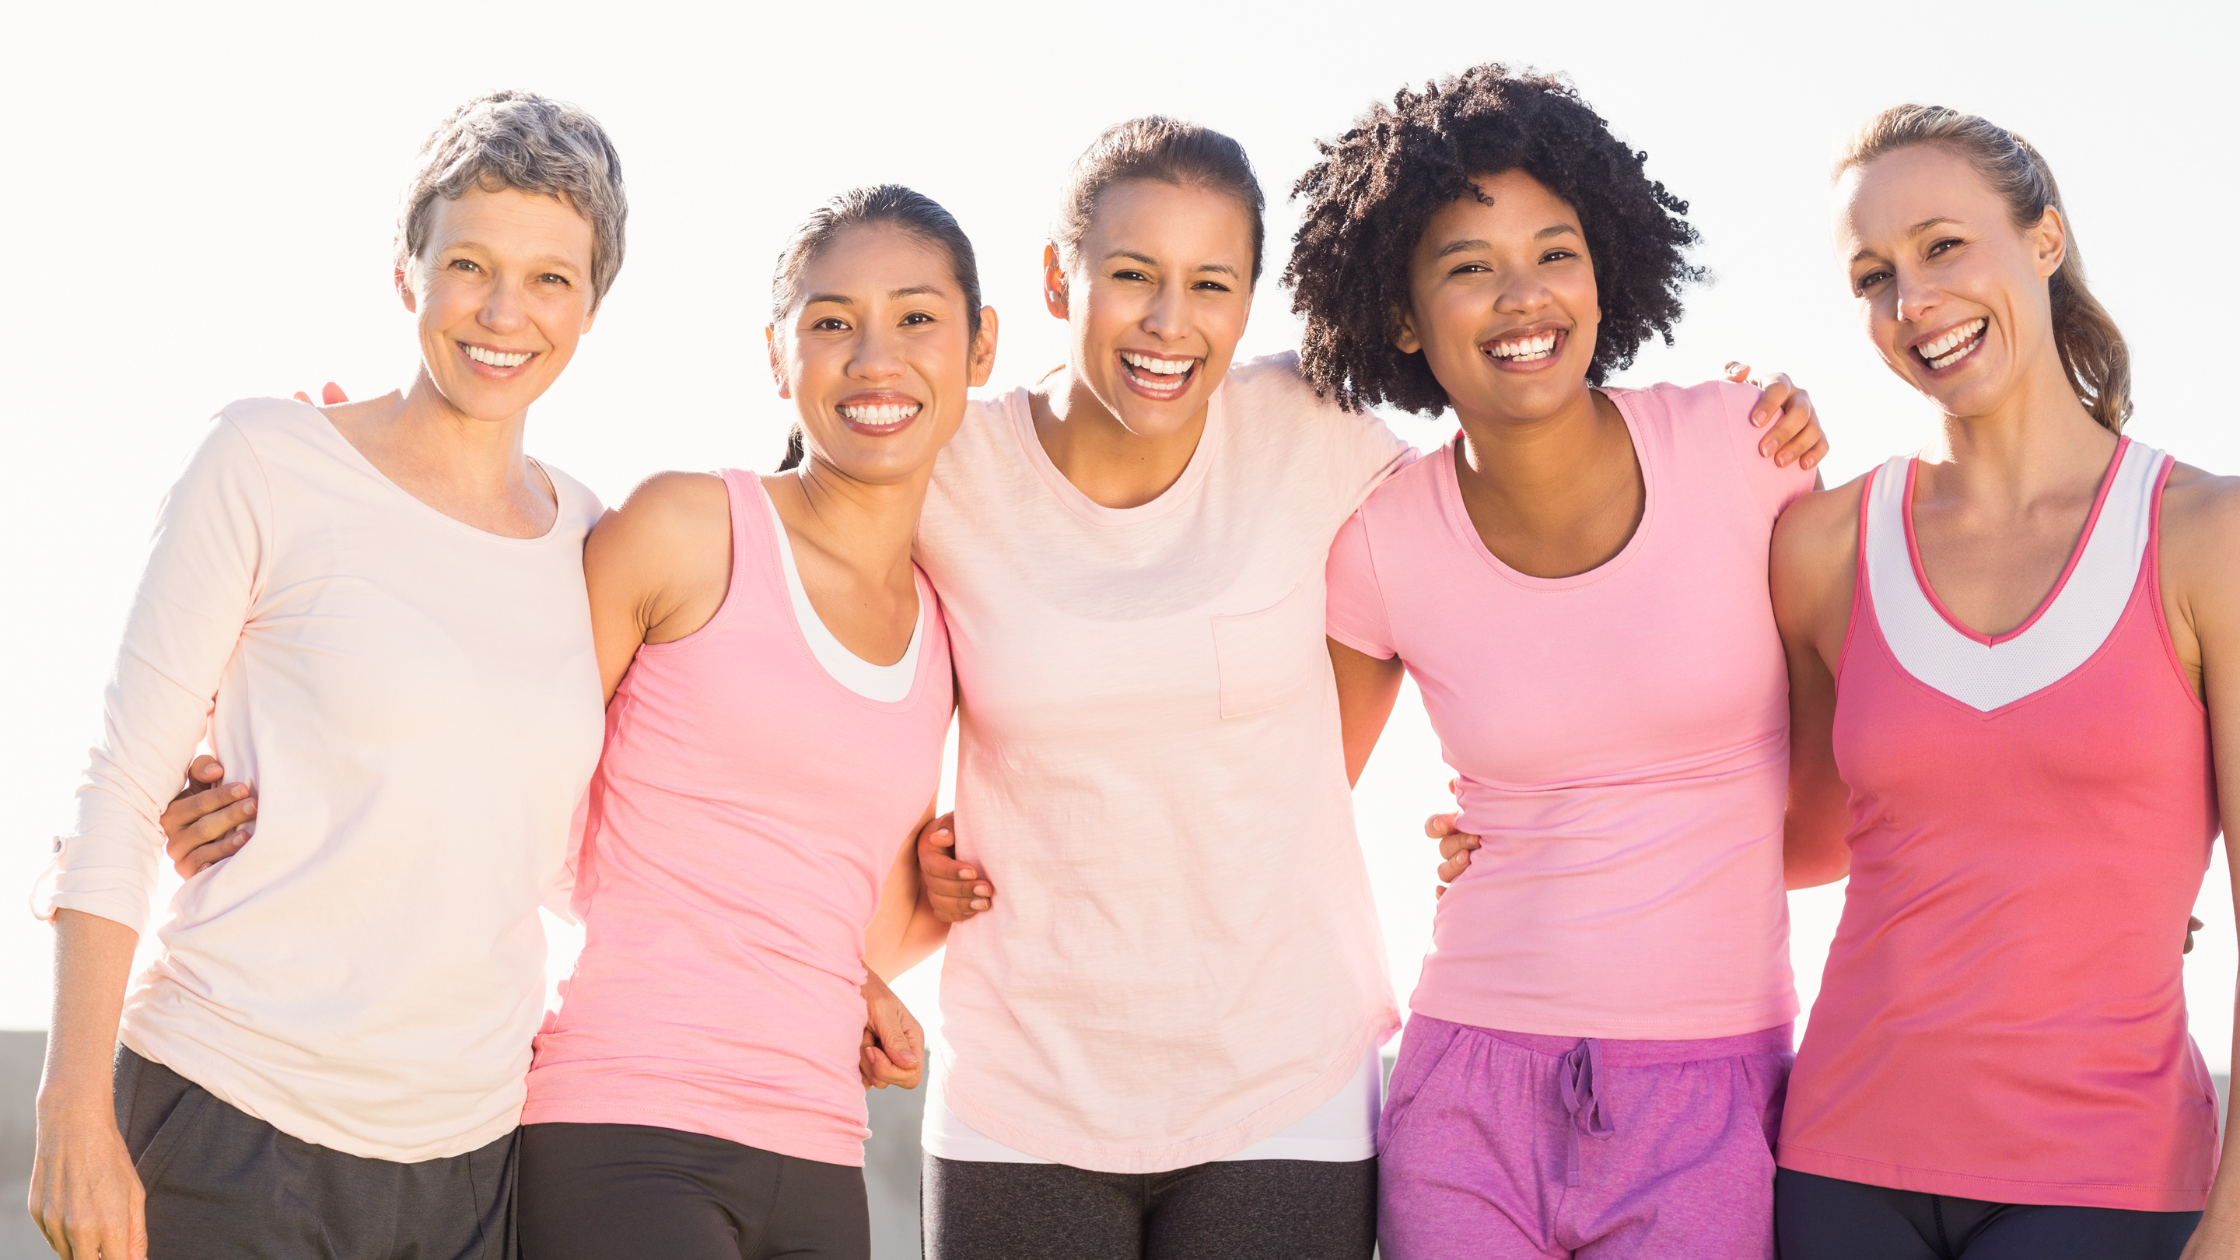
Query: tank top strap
[754,555]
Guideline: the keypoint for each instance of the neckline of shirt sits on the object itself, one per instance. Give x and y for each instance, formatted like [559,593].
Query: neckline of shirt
[1019,409]
[367,466]
[868,679]
[1458,516]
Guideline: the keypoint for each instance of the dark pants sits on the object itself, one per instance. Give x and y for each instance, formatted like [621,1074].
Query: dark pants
[224,1185]
[1822,1218]
[1247,1209]
[622,1191]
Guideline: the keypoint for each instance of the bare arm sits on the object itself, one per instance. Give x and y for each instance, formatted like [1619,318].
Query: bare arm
[2201,591]
[1815,553]
[1367,690]
[84,1193]
[657,567]
[905,930]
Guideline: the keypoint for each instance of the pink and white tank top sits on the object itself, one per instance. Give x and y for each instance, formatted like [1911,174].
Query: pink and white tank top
[746,810]
[2003,1015]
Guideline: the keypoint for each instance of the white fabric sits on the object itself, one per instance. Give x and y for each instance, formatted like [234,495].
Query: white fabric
[887,684]
[1342,1130]
[1987,672]
[417,704]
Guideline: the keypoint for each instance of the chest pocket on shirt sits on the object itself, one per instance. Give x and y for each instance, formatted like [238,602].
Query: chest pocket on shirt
[1270,657]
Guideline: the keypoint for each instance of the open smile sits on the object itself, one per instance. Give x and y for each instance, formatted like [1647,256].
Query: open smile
[491,361]
[1950,347]
[1158,376]
[1526,350]
[878,415]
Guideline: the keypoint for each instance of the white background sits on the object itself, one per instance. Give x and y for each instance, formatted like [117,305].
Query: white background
[198,203]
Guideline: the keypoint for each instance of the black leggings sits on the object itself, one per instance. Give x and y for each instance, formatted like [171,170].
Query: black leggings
[1821,1218]
[1247,1209]
[621,1191]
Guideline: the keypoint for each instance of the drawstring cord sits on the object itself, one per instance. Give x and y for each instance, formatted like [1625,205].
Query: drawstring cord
[1578,1068]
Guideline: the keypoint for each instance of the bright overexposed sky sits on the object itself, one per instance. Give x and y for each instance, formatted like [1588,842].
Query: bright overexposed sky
[200,202]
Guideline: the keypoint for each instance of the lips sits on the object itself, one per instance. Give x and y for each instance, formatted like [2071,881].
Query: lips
[878,414]
[495,360]
[1526,349]
[1948,348]
[1162,377]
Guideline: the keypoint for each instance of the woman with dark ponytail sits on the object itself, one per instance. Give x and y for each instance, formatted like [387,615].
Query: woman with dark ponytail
[2019,650]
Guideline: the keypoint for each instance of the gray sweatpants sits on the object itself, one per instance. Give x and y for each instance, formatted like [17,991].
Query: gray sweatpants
[223,1185]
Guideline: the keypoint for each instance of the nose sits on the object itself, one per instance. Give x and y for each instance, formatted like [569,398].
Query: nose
[1916,296]
[878,355]
[1168,318]
[503,308]
[1521,293]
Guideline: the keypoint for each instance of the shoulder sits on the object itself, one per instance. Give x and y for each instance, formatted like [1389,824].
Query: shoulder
[666,511]
[575,497]
[1721,401]
[2201,526]
[1820,531]
[1272,385]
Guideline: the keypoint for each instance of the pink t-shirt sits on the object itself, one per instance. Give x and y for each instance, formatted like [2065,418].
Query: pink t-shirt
[744,815]
[1620,738]
[1183,955]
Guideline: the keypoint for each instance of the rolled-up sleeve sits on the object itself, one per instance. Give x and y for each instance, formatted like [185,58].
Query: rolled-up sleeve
[203,577]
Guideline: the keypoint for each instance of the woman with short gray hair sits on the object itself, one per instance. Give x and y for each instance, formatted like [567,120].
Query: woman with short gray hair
[377,611]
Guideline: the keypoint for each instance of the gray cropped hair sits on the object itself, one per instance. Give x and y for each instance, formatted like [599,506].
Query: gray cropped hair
[532,143]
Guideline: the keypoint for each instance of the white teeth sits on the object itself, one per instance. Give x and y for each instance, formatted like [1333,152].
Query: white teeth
[497,359]
[1164,367]
[1525,348]
[1950,348]
[881,413]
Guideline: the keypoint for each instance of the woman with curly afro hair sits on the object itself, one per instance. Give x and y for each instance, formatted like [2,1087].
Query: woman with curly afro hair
[1578,582]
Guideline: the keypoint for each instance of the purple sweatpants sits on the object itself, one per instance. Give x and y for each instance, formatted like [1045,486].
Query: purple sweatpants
[1501,1145]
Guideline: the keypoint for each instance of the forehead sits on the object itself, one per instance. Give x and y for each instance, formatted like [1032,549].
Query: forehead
[871,260]
[1509,203]
[1166,220]
[1880,204]
[511,221]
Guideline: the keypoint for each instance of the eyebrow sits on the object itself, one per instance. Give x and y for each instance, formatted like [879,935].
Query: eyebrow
[549,262]
[842,299]
[1148,261]
[1916,230]
[1553,229]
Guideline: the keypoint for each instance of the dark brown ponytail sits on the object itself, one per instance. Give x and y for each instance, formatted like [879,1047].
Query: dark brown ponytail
[2093,355]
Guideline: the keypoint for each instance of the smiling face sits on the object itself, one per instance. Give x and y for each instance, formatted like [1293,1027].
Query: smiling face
[1502,301]
[1157,300]
[878,353]
[503,292]
[1953,296]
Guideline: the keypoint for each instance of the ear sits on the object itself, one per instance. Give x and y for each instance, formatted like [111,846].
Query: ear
[777,369]
[2050,242]
[1054,283]
[1404,336]
[404,291]
[983,364]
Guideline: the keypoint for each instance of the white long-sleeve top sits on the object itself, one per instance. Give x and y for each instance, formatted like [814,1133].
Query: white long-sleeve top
[417,704]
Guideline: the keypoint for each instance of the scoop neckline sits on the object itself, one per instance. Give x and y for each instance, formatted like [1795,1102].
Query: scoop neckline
[1020,405]
[559,501]
[1458,516]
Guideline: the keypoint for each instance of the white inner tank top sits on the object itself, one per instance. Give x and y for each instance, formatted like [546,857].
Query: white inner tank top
[1986,672]
[888,684]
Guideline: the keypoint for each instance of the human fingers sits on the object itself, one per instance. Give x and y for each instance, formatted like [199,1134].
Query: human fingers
[1439,825]
[194,821]
[1456,845]
[210,854]
[956,890]
[1738,372]
[1796,436]
[331,394]
[205,769]
[302,397]
[2193,924]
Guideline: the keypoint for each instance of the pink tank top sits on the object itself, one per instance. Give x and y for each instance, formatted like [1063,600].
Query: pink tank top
[2002,1016]
[745,812]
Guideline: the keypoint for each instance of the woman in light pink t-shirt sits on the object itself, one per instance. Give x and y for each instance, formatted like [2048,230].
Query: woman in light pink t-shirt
[1159,1039]
[1599,1042]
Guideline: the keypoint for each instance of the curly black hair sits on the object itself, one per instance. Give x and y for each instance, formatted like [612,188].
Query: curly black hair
[1368,199]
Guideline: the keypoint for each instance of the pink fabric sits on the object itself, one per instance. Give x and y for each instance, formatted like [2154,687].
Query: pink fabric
[2003,1015]
[1502,1145]
[1621,738]
[1183,955]
[745,813]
